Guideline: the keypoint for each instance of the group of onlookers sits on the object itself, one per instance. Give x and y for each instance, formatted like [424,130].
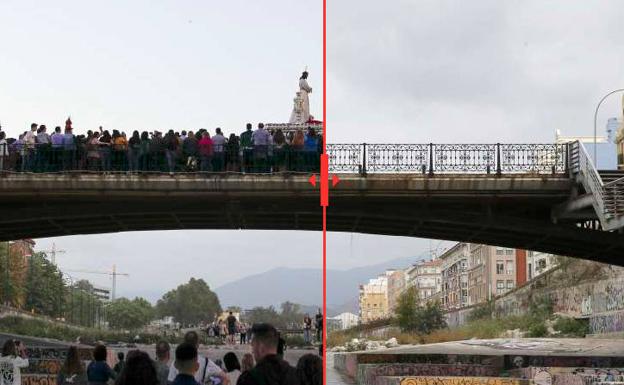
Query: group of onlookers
[227,330]
[265,365]
[253,151]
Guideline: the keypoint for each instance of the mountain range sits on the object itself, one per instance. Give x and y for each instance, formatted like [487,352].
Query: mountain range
[304,286]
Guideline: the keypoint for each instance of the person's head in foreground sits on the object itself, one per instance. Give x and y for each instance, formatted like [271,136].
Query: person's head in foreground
[138,370]
[265,340]
[310,369]
[247,363]
[192,338]
[231,362]
[186,359]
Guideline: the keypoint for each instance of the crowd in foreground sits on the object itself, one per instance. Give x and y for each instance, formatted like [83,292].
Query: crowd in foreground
[253,151]
[264,366]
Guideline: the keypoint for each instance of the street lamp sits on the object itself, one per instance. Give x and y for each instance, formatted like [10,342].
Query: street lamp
[596,117]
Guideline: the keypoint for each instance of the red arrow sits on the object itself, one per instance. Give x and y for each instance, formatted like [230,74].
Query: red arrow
[335,180]
[312,180]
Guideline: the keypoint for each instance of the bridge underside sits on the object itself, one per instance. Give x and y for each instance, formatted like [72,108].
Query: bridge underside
[511,212]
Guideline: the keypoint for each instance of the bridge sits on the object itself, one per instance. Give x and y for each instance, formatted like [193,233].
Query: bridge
[545,197]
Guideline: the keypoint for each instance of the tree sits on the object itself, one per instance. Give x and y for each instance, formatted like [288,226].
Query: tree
[406,309]
[190,303]
[412,317]
[129,314]
[261,314]
[45,287]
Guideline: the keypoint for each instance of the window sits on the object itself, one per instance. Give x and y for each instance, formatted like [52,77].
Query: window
[509,267]
[509,251]
[500,251]
[500,268]
[500,287]
[510,284]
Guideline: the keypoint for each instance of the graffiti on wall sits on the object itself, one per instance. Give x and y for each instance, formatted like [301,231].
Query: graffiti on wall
[35,379]
[571,375]
[367,373]
[607,323]
[462,381]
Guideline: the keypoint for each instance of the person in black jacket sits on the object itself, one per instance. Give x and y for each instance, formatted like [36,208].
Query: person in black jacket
[269,369]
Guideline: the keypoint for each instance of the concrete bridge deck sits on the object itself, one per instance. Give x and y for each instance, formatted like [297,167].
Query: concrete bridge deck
[507,210]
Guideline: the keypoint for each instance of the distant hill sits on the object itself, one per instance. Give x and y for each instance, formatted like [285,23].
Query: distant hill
[304,286]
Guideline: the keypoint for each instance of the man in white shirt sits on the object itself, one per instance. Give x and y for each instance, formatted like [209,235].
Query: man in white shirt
[207,368]
[261,140]
[218,149]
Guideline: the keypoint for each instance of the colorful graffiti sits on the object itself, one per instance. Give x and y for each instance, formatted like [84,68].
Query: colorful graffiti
[35,379]
[462,381]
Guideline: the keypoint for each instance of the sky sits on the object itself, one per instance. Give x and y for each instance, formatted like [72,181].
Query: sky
[401,71]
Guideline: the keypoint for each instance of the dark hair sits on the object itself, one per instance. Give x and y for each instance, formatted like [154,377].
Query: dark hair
[162,348]
[138,370]
[231,362]
[310,369]
[186,352]
[57,129]
[265,334]
[144,135]
[304,75]
[32,125]
[73,364]
[249,126]
[120,356]
[192,338]
[99,353]
[9,348]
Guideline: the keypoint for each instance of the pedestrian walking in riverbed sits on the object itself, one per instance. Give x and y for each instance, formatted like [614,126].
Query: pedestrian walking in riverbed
[73,370]
[231,328]
[307,328]
[319,326]
[242,331]
[12,361]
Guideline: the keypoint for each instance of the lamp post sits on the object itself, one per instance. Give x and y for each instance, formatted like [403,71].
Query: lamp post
[596,118]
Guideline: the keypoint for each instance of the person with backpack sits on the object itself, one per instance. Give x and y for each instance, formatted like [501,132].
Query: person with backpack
[205,367]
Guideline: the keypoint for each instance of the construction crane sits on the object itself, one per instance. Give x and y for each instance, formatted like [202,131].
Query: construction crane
[112,273]
[53,252]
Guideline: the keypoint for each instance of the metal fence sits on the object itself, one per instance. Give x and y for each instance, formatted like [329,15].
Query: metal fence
[449,158]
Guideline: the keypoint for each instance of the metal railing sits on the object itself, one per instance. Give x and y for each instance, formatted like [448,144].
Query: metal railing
[362,158]
[449,158]
[607,199]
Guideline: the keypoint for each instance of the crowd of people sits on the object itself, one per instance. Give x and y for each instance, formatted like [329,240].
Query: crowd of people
[265,365]
[228,330]
[253,151]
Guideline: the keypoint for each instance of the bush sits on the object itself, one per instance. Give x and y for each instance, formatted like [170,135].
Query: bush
[294,340]
[570,327]
[538,330]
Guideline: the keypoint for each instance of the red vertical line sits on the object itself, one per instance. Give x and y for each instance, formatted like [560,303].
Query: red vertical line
[324,339]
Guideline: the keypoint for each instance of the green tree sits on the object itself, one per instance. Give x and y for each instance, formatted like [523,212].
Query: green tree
[129,314]
[407,309]
[412,317]
[261,314]
[190,303]
[45,287]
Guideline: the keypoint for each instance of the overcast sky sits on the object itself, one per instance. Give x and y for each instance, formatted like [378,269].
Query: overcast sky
[400,71]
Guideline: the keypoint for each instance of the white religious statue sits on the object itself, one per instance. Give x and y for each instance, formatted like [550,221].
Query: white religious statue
[301,108]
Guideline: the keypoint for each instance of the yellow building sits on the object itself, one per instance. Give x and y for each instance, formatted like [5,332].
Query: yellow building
[373,299]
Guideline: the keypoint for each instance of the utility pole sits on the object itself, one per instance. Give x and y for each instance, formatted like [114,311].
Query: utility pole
[53,252]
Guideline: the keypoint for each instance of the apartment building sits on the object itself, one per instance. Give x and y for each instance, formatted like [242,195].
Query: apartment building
[426,277]
[454,276]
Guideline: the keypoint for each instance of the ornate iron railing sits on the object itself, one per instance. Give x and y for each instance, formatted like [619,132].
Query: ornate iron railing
[449,158]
